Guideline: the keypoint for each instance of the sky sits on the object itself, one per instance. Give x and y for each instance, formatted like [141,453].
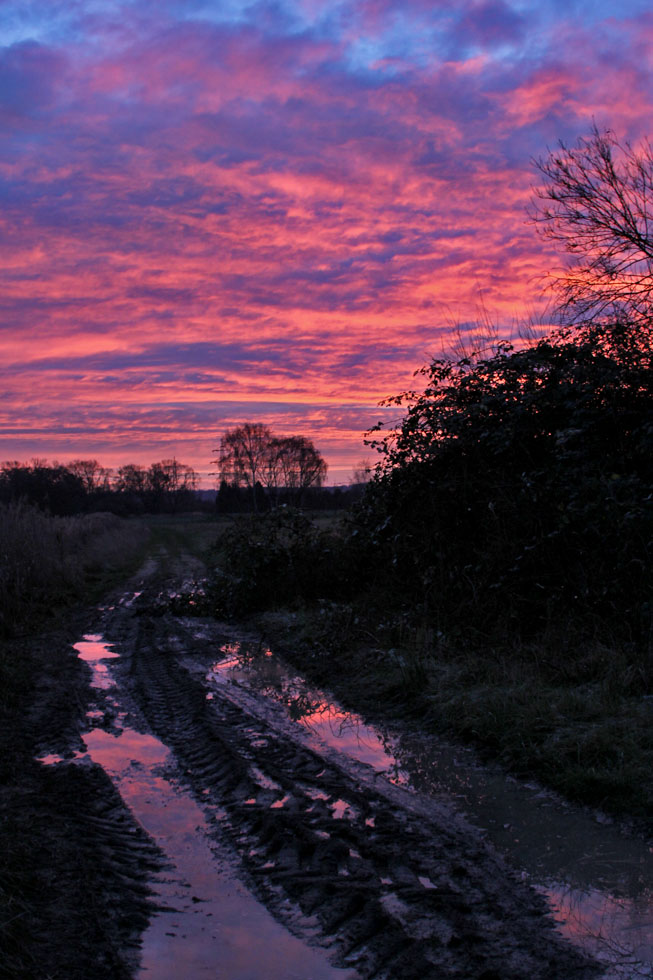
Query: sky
[219,212]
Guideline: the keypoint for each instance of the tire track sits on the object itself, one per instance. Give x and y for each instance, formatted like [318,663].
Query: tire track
[399,889]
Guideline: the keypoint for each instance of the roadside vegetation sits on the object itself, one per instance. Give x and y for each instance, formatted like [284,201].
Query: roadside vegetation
[495,579]
[54,862]
[49,562]
[47,566]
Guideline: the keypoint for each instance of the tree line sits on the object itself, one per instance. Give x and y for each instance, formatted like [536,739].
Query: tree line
[258,471]
[84,485]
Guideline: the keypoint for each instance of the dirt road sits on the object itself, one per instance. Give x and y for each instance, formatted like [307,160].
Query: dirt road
[393,885]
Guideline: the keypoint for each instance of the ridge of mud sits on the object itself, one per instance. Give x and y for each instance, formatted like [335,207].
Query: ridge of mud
[397,890]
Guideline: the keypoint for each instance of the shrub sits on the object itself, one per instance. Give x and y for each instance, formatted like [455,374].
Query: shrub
[276,558]
[518,490]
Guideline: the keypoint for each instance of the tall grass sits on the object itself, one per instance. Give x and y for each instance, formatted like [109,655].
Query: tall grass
[47,562]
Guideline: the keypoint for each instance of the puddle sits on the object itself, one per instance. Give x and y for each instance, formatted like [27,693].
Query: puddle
[599,884]
[50,760]
[94,651]
[342,810]
[213,926]
[325,721]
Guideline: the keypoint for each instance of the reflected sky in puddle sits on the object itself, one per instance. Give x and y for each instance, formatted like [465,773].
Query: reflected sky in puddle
[324,721]
[599,883]
[94,651]
[213,926]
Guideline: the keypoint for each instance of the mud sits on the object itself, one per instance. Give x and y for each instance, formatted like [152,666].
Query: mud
[74,866]
[392,884]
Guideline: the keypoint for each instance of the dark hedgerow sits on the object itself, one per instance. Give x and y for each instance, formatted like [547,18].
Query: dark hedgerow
[518,490]
[514,501]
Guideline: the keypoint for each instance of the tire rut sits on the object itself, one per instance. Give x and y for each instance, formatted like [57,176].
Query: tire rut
[399,889]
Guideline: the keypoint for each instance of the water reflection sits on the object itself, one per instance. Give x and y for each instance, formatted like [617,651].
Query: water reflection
[93,650]
[599,883]
[212,925]
[607,925]
[324,720]
[211,921]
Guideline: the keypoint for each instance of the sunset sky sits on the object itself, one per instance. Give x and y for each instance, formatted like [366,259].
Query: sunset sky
[216,212]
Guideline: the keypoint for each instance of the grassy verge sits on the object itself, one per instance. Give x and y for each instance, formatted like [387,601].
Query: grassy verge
[49,568]
[171,535]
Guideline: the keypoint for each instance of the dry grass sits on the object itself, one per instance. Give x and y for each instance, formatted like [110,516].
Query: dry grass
[46,562]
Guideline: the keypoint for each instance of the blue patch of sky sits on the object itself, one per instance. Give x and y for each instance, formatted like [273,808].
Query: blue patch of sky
[403,31]
[587,12]
[49,21]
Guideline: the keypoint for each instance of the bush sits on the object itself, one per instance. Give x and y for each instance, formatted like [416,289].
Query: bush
[277,558]
[518,491]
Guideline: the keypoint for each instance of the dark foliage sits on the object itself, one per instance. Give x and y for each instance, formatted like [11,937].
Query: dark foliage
[281,558]
[83,486]
[515,498]
[55,488]
[518,489]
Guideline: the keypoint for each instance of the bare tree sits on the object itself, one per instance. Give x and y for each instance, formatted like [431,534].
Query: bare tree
[131,478]
[251,454]
[167,481]
[93,475]
[243,456]
[597,201]
[179,476]
[299,465]
[362,472]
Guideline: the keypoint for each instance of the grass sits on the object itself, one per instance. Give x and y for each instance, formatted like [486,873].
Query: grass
[174,534]
[49,562]
[569,702]
[589,739]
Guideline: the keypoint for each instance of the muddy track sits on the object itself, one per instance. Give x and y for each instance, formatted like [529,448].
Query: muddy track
[399,888]
[74,866]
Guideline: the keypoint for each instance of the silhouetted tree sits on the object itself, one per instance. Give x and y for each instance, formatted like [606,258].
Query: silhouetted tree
[244,454]
[131,478]
[298,465]
[597,202]
[252,454]
[93,475]
[168,484]
[53,487]
[362,472]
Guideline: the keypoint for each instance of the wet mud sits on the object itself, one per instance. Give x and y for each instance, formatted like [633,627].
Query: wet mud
[596,876]
[170,796]
[74,865]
